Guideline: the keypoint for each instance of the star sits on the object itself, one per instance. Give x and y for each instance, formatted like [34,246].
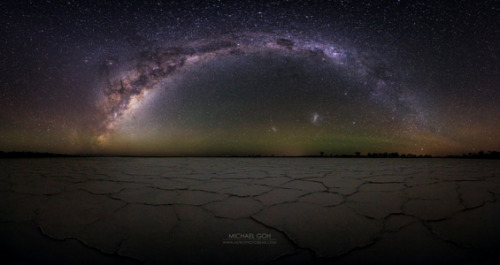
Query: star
[202,78]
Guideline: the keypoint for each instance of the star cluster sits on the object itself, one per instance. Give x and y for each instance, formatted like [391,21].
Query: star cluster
[247,78]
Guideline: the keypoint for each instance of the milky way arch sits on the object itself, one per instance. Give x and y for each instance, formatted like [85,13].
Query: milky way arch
[124,89]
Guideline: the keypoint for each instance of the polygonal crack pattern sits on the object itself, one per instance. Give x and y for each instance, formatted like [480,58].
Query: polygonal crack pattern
[251,211]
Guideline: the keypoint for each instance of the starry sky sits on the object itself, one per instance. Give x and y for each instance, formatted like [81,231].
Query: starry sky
[249,77]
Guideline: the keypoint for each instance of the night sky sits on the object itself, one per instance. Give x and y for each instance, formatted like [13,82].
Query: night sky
[248,78]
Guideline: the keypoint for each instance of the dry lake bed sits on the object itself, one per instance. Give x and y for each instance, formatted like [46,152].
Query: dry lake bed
[249,211]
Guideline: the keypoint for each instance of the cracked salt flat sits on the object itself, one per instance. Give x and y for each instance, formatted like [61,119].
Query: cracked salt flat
[184,211]
[329,232]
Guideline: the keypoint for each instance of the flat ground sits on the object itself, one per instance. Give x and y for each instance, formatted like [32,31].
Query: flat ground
[249,211]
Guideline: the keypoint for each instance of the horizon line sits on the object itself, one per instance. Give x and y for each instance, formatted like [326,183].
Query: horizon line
[31,154]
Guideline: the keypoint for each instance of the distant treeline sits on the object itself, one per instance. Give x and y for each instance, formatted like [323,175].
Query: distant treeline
[478,155]
[376,155]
